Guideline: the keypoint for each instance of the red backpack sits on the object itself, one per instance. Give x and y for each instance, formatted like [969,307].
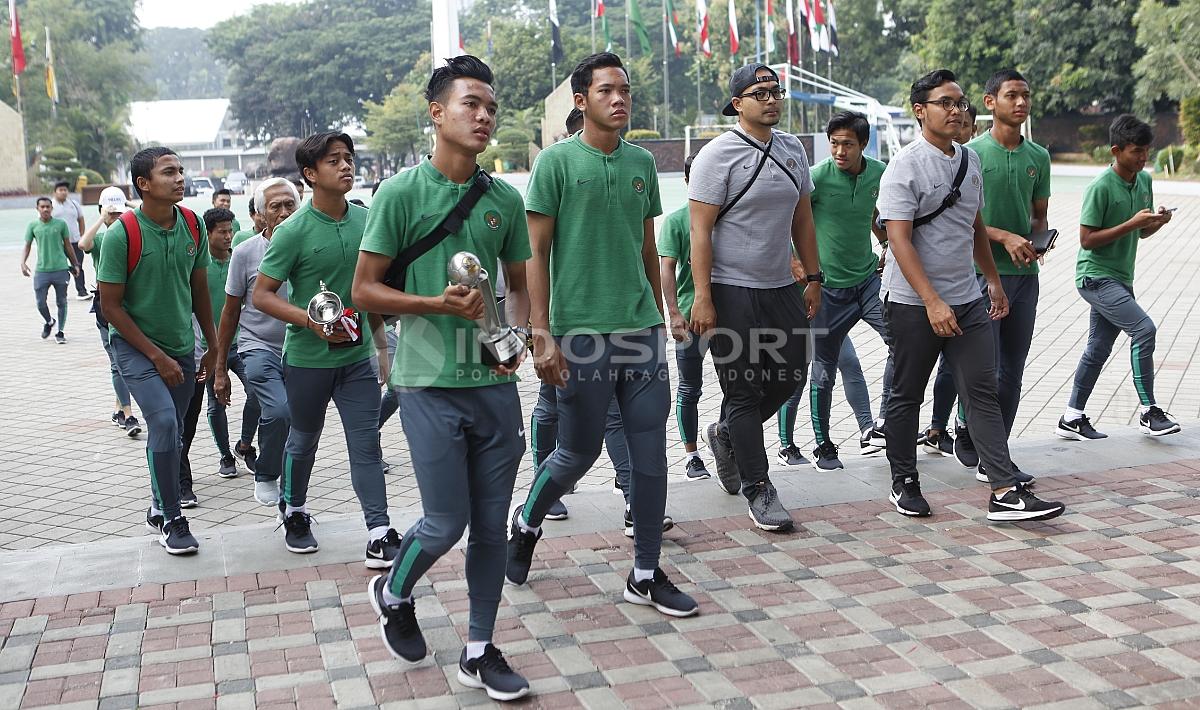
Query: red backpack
[133,233]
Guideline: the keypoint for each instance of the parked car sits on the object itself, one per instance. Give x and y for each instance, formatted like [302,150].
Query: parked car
[204,187]
[236,182]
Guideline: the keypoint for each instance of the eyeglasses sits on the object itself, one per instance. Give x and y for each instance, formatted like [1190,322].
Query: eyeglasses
[947,103]
[763,94]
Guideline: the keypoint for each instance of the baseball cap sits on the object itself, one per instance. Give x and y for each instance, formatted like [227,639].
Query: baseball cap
[112,199]
[743,77]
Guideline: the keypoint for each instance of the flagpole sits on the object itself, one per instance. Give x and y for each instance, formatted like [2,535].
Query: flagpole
[757,35]
[666,76]
[628,39]
[593,26]
[17,89]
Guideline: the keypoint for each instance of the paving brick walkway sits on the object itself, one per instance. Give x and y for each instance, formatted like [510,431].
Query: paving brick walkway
[860,608]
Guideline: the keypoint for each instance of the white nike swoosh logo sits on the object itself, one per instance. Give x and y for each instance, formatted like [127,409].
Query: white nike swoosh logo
[639,593]
[1019,506]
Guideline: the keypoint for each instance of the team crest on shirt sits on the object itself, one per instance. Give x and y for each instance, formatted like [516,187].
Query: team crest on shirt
[975,180]
[791,163]
[191,249]
[492,219]
[639,185]
[1032,171]
[875,192]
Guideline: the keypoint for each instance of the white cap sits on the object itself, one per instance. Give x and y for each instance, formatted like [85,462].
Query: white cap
[112,199]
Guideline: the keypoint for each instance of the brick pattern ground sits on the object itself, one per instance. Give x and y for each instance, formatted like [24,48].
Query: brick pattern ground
[861,608]
[62,454]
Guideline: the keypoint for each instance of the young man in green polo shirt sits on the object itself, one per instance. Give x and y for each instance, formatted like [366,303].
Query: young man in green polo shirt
[675,270]
[598,322]
[55,265]
[255,228]
[461,417]
[149,309]
[1118,212]
[844,215]
[223,199]
[314,250]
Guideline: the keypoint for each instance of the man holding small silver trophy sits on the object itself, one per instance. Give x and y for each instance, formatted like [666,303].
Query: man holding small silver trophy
[455,365]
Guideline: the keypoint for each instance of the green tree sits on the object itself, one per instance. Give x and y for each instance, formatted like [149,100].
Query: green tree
[972,39]
[396,127]
[98,69]
[1170,64]
[301,68]
[180,66]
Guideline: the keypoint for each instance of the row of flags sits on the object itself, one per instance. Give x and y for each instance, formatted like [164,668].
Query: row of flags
[817,16]
[18,54]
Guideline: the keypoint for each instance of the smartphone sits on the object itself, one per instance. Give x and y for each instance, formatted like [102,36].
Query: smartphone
[1171,209]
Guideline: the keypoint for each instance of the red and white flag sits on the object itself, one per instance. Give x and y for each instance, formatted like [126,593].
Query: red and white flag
[14,32]
[793,42]
[770,13]
[702,12]
[733,28]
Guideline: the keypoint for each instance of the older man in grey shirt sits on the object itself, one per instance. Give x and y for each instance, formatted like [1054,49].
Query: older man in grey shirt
[749,206]
[932,303]
[259,339]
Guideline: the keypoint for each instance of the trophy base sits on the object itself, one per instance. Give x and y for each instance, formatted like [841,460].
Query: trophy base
[504,350]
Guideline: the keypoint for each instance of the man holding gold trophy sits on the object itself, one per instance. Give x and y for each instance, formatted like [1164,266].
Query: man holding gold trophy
[455,364]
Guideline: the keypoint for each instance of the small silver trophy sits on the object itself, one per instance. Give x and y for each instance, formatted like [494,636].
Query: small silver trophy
[325,309]
[501,344]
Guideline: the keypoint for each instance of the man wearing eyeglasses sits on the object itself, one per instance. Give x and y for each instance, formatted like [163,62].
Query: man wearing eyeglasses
[932,301]
[749,204]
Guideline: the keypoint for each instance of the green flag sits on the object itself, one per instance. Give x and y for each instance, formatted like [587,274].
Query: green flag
[635,18]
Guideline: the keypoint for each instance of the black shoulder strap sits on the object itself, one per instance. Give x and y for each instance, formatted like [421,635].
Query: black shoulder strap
[449,225]
[775,160]
[761,162]
[950,199]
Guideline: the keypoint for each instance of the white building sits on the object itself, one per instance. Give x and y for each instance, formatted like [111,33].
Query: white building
[202,131]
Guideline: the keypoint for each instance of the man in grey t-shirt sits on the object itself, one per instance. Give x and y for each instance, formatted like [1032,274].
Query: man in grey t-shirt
[749,206]
[932,303]
[69,211]
[260,340]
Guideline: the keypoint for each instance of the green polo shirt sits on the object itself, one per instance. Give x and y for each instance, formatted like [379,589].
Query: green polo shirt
[241,236]
[439,350]
[237,227]
[307,248]
[1109,201]
[675,241]
[218,274]
[842,207]
[1012,180]
[158,294]
[49,237]
[600,203]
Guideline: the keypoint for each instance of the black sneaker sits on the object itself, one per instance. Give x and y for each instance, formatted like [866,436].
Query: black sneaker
[1080,429]
[964,448]
[668,522]
[1019,504]
[936,442]
[826,457]
[659,593]
[60,338]
[249,455]
[118,420]
[297,533]
[520,550]
[906,496]
[228,467]
[727,474]
[154,523]
[492,674]
[767,511]
[695,470]
[381,553]
[187,499]
[177,537]
[397,624]
[1022,478]
[1156,422]
[792,456]
[47,329]
[132,426]
[557,511]
[868,442]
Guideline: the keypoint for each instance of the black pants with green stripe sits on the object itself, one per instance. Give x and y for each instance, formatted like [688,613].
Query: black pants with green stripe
[1114,310]
[466,445]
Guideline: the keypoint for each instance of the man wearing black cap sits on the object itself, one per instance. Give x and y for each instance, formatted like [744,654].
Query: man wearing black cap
[750,218]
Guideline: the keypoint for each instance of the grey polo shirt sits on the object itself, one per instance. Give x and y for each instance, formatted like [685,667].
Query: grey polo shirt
[914,184]
[69,212]
[752,243]
[257,330]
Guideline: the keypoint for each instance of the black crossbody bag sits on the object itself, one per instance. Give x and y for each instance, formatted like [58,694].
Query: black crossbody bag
[395,275]
[766,154]
[947,202]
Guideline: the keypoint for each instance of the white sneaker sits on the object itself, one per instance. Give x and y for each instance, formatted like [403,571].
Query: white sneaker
[267,492]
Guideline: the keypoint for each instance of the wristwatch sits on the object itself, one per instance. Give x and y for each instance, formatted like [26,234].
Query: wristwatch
[818,277]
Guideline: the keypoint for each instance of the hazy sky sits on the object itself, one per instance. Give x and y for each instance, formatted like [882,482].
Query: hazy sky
[172,13]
